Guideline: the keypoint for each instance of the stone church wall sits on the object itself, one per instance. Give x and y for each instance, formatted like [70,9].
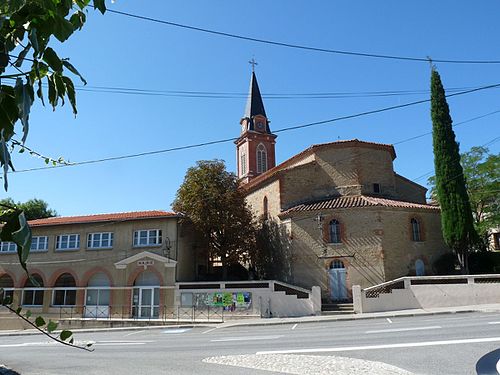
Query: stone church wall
[400,252]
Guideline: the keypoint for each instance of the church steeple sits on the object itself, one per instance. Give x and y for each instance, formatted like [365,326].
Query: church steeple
[255,146]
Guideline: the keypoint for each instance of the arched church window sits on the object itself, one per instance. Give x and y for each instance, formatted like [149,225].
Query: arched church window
[243,163]
[416,230]
[335,231]
[261,158]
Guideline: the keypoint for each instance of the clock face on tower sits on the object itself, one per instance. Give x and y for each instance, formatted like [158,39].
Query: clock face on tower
[260,126]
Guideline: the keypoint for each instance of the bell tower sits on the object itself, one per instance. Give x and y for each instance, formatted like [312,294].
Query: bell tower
[255,146]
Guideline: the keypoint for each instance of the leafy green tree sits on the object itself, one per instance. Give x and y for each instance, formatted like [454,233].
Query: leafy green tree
[271,258]
[211,199]
[33,208]
[482,177]
[456,215]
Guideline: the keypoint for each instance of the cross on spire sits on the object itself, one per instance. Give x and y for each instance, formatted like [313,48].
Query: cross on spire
[253,63]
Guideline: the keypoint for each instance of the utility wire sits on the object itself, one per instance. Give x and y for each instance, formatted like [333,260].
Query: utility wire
[301,47]
[198,145]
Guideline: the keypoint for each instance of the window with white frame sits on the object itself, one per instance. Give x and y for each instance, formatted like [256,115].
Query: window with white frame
[8,247]
[68,242]
[64,292]
[39,243]
[261,159]
[147,237]
[100,240]
[33,291]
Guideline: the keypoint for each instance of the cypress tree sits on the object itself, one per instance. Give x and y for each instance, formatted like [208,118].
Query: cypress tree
[456,214]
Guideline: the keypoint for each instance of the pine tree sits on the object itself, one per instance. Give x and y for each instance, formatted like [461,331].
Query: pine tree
[456,215]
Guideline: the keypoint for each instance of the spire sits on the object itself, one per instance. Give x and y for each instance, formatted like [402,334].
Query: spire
[255,105]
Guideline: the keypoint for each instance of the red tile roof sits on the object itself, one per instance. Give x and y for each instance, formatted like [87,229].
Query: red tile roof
[354,202]
[121,216]
[308,151]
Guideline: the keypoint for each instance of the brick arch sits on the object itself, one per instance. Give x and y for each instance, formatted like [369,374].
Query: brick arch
[348,283]
[138,270]
[86,277]
[326,228]
[33,271]
[59,272]
[11,275]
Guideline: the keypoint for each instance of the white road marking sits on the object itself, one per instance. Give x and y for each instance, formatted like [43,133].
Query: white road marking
[384,346]
[248,338]
[99,343]
[493,322]
[209,330]
[389,320]
[133,333]
[177,330]
[295,326]
[120,343]
[403,329]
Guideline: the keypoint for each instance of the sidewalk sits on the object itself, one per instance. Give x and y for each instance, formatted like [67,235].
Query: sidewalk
[275,321]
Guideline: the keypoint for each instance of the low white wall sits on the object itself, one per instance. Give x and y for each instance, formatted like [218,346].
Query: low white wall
[429,295]
[266,302]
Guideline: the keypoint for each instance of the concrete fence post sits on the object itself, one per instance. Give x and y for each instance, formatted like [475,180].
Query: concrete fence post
[357,300]
[407,282]
[316,300]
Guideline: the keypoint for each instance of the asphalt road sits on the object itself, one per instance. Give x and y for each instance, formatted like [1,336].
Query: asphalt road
[438,344]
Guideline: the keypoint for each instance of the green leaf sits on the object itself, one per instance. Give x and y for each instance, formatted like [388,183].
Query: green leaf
[28,314]
[53,98]
[73,70]
[78,19]
[62,28]
[82,3]
[52,326]
[18,310]
[4,159]
[51,58]
[65,334]
[39,321]
[33,38]
[99,4]
[24,98]
[7,301]
[60,86]
[20,58]
[70,92]
[4,57]
[22,238]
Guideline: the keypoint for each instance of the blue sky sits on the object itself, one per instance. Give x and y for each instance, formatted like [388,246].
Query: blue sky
[117,51]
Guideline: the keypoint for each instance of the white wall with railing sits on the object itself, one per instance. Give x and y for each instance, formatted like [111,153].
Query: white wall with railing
[424,292]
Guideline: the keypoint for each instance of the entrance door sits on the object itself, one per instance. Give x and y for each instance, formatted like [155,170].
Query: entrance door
[146,296]
[337,281]
[146,302]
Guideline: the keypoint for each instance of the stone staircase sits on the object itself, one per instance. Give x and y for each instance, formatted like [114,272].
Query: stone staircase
[336,308]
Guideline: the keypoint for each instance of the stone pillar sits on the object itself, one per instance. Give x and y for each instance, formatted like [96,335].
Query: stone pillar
[357,299]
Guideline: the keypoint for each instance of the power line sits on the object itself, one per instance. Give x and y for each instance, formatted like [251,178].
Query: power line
[301,47]
[233,95]
[493,141]
[302,126]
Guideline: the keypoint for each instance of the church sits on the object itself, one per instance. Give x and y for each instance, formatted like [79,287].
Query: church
[349,217]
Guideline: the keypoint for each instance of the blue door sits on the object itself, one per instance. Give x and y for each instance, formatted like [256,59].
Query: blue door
[337,281]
